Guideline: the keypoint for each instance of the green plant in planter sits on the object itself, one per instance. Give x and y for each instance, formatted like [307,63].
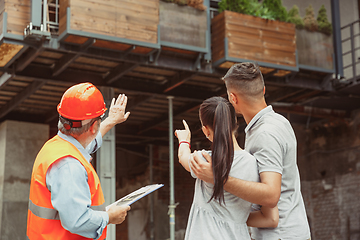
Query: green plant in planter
[268,9]
[323,23]
[240,6]
[310,22]
[277,10]
[259,10]
[294,17]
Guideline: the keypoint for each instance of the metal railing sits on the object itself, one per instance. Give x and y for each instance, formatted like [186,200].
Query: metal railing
[52,20]
[351,51]
[44,20]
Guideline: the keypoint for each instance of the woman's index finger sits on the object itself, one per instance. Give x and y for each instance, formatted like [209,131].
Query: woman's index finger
[186,126]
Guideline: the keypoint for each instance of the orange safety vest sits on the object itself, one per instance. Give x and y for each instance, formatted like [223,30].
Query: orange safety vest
[43,220]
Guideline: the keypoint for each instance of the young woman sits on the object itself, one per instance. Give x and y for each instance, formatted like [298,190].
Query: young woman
[215,213]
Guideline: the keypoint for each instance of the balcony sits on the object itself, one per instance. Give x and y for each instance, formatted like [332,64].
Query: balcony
[149,50]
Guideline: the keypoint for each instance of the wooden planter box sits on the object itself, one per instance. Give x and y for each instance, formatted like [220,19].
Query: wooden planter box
[14,17]
[315,50]
[237,38]
[18,16]
[183,27]
[117,24]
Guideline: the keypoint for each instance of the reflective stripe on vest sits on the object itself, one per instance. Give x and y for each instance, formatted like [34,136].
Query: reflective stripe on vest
[42,212]
[50,213]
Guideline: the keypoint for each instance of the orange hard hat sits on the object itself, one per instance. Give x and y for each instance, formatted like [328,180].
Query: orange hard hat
[82,101]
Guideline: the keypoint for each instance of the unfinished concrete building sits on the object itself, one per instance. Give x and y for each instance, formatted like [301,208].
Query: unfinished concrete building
[167,59]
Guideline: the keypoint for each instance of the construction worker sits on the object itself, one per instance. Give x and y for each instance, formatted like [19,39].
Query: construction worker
[66,199]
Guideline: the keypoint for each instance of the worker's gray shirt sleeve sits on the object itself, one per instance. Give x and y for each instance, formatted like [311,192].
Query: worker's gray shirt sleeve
[70,196]
[95,144]
[268,153]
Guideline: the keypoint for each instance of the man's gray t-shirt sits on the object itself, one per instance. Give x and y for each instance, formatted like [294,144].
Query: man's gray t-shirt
[271,140]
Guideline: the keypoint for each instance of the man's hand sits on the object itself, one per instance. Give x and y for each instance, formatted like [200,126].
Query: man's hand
[117,214]
[116,114]
[202,169]
[117,110]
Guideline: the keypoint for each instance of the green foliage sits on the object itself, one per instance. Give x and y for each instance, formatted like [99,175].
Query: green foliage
[310,22]
[269,9]
[294,17]
[323,23]
[259,10]
[276,8]
[240,6]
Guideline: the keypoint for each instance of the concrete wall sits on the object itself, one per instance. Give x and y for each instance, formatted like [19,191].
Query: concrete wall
[329,164]
[19,145]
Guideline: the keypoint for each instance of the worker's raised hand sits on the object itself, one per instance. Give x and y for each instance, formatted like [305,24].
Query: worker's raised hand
[117,112]
[117,214]
[185,134]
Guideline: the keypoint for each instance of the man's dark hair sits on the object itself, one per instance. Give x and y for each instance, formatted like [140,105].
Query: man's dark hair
[245,79]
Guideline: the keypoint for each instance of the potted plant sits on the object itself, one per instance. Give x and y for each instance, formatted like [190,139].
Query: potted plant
[313,39]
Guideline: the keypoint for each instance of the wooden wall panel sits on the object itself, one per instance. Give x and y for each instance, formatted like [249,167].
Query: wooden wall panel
[64,4]
[182,25]
[18,15]
[217,37]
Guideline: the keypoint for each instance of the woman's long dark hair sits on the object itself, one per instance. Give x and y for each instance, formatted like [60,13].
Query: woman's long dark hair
[218,114]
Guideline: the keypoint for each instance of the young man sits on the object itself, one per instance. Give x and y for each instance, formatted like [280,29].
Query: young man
[271,139]
[66,200]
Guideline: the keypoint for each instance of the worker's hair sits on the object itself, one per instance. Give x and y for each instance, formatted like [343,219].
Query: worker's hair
[75,131]
[218,114]
[246,80]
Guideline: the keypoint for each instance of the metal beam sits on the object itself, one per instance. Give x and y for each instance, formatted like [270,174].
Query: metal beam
[178,80]
[51,116]
[133,85]
[282,94]
[69,58]
[314,112]
[25,60]
[5,79]
[335,16]
[165,117]
[134,102]
[300,82]
[20,97]
[63,63]
[118,72]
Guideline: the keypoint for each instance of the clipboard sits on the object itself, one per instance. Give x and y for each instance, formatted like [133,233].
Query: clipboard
[136,195]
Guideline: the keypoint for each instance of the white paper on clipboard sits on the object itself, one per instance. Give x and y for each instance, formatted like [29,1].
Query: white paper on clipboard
[136,195]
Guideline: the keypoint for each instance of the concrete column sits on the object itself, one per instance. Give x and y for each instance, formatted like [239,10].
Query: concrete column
[19,144]
[105,163]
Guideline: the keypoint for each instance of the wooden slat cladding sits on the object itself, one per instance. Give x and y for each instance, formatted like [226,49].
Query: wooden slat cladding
[253,38]
[18,15]
[182,25]
[1,22]
[135,20]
